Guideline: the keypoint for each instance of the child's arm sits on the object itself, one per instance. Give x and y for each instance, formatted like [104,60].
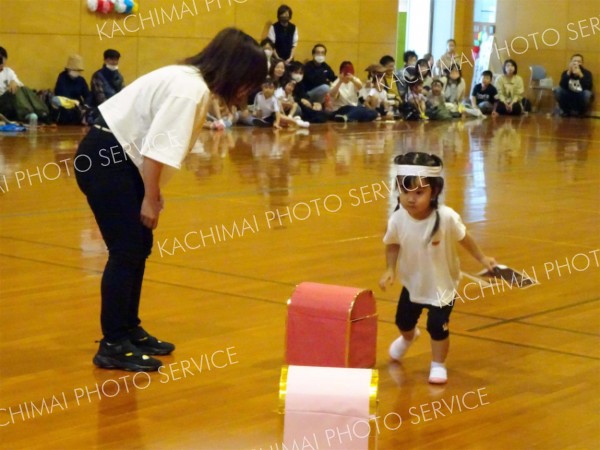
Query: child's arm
[471,246]
[391,257]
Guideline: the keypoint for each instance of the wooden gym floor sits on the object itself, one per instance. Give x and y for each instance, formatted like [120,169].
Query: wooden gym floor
[524,364]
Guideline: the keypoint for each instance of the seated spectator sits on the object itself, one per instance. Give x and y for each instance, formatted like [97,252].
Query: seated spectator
[318,76]
[414,101]
[574,93]
[410,60]
[287,104]
[510,91]
[18,102]
[268,47]
[454,89]
[484,94]
[71,93]
[220,116]
[424,68]
[436,102]
[284,35]
[376,97]
[267,111]
[276,72]
[391,81]
[344,95]
[311,111]
[107,81]
[447,59]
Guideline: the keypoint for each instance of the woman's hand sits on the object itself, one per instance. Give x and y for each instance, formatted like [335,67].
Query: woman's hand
[151,208]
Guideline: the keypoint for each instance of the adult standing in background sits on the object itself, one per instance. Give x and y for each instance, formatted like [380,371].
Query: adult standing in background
[284,35]
[574,93]
[447,59]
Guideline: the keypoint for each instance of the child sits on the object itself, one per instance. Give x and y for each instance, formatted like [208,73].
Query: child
[288,106]
[220,116]
[376,99]
[415,100]
[454,90]
[421,237]
[266,108]
[436,103]
[484,94]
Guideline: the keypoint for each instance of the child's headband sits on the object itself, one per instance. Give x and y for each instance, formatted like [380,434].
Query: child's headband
[418,171]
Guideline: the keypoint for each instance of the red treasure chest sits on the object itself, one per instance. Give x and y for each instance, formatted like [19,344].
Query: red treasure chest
[331,326]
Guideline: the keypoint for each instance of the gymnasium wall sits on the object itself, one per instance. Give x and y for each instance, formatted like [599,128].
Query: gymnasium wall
[39,35]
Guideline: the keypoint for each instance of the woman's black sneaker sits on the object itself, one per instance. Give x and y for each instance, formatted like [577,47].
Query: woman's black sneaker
[149,344]
[125,356]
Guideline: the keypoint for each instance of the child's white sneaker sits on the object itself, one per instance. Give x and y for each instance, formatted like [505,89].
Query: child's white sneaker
[438,373]
[301,123]
[399,347]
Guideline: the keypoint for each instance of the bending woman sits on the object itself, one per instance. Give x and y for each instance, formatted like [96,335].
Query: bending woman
[141,136]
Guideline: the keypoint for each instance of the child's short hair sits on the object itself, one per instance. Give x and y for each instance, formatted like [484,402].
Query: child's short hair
[409,54]
[436,81]
[385,60]
[268,82]
[487,73]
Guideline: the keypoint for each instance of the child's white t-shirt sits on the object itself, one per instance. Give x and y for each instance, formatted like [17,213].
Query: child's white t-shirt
[6,76]
[347,96]
[264,107]
[159,115]
[380,96]
[428,268]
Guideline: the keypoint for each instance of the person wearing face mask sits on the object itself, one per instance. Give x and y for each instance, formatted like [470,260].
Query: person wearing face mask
[318,76]
[267,45]
[311,111]
[70,93]
[107,81]
[284,35]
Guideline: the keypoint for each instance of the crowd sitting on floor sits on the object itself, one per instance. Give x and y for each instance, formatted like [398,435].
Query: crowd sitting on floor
[296,94]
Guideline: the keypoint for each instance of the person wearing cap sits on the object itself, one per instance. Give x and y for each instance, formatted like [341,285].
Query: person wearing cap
[18,102]
[70,93]
[376,96]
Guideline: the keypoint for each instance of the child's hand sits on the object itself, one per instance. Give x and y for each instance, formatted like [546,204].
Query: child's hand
[488,262]
[386,278]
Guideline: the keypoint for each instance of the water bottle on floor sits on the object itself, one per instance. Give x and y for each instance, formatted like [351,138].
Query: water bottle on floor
[33,121]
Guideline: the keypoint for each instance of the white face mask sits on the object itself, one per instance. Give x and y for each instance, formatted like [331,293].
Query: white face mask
[320,59]
[111,67]
[74,73]
[268,52]
[297,77]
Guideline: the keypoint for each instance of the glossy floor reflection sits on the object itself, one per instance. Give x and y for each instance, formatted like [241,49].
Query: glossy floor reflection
[256,211]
